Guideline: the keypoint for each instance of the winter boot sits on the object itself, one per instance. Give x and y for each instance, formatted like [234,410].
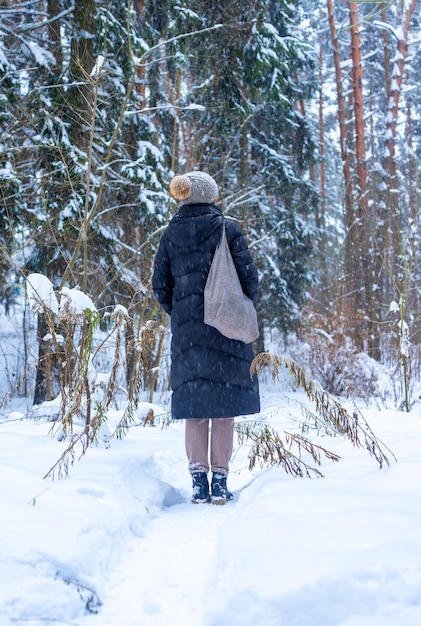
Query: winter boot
[220,493]
[200,488]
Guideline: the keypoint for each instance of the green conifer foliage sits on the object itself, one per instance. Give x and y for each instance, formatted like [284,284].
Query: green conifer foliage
[245,81]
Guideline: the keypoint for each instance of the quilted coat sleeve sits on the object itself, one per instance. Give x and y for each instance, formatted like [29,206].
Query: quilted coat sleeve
[162,279]
[246,269]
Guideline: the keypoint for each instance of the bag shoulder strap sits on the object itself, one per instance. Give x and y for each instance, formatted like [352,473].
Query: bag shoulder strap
[223,233]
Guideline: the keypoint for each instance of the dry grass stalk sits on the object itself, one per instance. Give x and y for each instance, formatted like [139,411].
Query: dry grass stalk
[269,449]
[149,419]
[329,413]
[148,339]
[148,347]
[75,356]
[67,458]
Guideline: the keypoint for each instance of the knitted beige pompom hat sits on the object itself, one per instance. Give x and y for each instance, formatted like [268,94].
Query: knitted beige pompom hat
[194,188]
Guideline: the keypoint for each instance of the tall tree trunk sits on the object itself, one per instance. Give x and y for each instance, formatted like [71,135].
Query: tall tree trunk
[42,389]
[393,206]
[322,292]
[81,64]
[351,255]
[412,166]
[414,297]
[244,156]
[381,219]
[345,154]
[322,210]
[141,68]
[366,301]
[54,25]
[388,260]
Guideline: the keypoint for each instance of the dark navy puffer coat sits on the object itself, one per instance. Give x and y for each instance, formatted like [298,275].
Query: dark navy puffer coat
[210,374]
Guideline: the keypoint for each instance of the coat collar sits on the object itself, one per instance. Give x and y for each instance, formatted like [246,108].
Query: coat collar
[191,210]
[194,224]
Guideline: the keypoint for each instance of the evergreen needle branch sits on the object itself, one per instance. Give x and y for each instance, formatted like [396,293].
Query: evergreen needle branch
[235,200]
[44,22]
[115,274]
[136,63]
[266,236]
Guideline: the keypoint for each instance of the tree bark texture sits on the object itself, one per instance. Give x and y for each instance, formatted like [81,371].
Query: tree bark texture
[81,64]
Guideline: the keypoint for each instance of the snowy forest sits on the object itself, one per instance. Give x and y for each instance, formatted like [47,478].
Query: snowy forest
[307,113]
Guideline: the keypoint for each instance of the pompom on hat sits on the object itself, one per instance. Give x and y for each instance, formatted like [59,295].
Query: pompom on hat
[194,188]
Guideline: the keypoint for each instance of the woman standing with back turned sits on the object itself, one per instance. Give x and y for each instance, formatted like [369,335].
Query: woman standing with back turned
[210,374]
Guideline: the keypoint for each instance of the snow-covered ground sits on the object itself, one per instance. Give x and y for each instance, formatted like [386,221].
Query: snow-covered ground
[118,543]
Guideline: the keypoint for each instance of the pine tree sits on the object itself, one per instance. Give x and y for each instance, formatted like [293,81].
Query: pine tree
[228,99]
